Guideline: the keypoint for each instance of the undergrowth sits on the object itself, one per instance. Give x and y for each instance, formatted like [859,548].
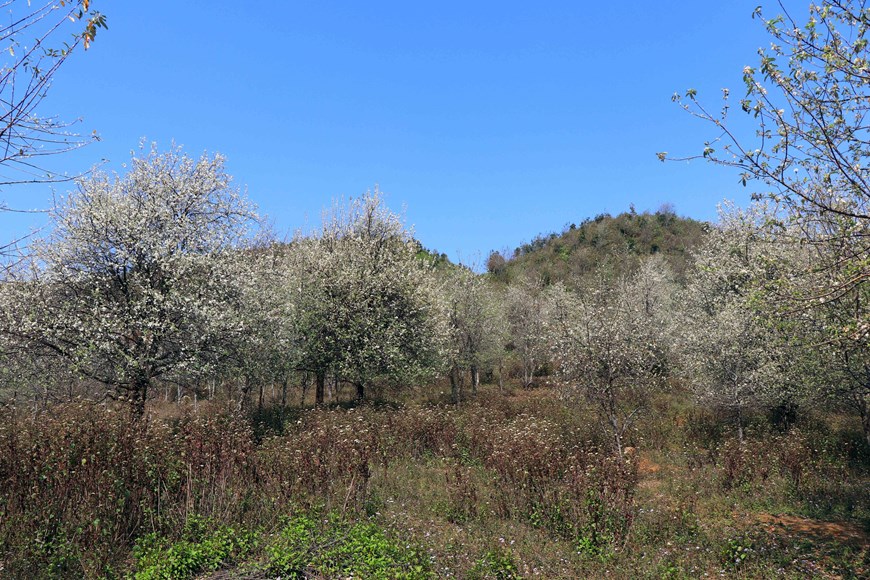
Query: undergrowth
[500,487]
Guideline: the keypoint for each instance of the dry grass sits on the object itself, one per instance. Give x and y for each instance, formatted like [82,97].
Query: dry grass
[500,487]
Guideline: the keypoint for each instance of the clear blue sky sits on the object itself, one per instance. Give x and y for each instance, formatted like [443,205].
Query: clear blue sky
[488,122]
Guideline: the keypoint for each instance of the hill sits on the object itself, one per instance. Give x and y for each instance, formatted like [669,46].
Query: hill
[614,242]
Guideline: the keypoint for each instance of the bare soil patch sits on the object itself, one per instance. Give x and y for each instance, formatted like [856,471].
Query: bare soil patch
[815,530]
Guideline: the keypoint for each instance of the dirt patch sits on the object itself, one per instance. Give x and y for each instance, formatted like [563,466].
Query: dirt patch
[647,471]
[843,532]
[646,467]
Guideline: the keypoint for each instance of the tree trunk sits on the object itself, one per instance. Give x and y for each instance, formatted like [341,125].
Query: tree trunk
[609,404]
[333,389]
[864,410]
[138,396]
[360,392]
[455,387]
[528,373]
[739,419]
[475,379]
[305,379]
[284,394]
[260,399]
[319,388]
[617,434]
[246,390]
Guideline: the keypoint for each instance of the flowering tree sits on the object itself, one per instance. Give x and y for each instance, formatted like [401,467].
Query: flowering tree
[610,343]
[735,355]
[262,351]
[130,286]
[809,97]
[366,307]
[477,325]
[525,315]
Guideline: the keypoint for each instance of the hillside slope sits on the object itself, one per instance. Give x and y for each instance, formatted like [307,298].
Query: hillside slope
[615,243]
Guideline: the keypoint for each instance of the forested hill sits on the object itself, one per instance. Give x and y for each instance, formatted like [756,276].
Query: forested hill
[615,242]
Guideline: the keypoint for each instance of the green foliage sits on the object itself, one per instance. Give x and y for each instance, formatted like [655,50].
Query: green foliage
[737,551]
[618,242]
[433,258]
[197,551]
[498,563]
[336,548]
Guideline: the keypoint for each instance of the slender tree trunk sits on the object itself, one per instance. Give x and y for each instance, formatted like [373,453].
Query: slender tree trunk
[617,434]
[319,387]
[864,410]
[284,394]
[475,379]
[305,379]
[613,417]
[260,398]
[246,390]
[333,389]
[739,419]
[455,387]
[528,372]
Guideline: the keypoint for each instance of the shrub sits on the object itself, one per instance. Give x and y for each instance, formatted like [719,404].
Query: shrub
[158,558]
[334,548]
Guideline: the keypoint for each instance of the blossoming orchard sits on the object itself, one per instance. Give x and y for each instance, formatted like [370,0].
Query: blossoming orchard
[185,393]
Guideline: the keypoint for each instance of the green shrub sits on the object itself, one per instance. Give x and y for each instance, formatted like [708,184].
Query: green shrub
[498,564]
[160,559]
[339,549]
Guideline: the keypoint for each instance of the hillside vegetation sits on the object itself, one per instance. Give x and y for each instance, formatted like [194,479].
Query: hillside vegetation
[617,242]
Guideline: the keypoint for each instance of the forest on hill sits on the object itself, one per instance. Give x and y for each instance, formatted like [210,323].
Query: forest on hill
[619,242]
[183,394]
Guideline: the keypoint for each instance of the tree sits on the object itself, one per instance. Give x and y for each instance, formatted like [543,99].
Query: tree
[610,343]
[263,350]
[736,352]
[476,324]
[495,263]
[130,286]
[25,77]
[365,304]
[525,314]
[809,98]
[728,357]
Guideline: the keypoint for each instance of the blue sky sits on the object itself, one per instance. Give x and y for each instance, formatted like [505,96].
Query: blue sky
[486,122]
